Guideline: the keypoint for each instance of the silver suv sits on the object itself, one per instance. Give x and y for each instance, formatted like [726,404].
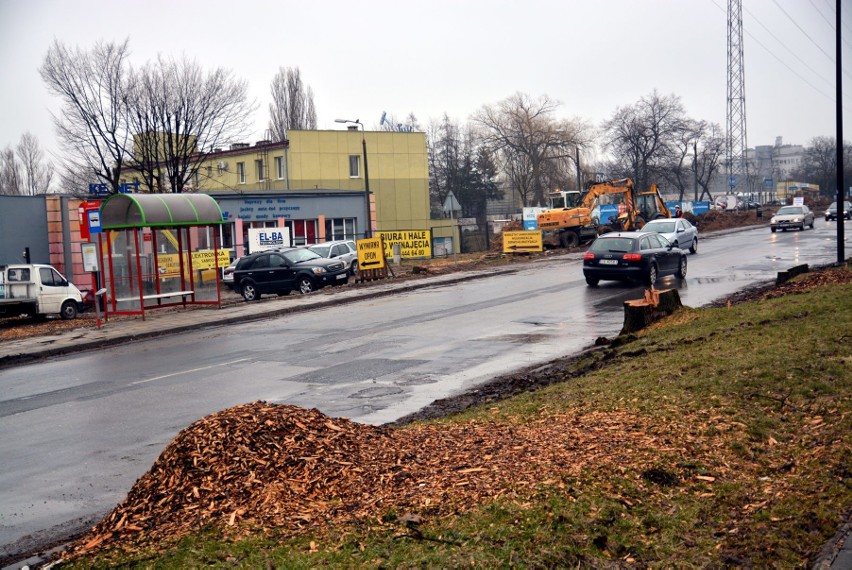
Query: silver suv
[343,250]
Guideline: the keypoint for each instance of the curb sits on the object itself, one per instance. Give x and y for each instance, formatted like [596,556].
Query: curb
[123,337]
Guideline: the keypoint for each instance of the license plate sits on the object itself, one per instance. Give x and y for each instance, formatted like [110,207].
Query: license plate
[608,262]
[341,276]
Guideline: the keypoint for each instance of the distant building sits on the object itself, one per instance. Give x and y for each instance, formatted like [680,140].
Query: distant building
[771,165]
[314,184]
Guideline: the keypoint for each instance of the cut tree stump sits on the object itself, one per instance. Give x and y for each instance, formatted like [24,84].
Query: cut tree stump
[655,305]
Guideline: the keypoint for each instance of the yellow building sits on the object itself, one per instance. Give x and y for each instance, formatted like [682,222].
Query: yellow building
[315,184]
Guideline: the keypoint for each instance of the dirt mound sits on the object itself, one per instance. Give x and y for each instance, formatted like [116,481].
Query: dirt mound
[261,466]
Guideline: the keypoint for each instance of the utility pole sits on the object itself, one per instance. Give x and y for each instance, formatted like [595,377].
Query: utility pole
[841,186]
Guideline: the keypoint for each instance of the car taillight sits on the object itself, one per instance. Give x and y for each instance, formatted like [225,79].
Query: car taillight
[632,257]
[588,255]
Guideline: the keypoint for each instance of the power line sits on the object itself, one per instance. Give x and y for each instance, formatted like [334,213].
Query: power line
[795,23]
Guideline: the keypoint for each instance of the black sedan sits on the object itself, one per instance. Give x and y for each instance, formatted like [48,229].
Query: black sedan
[283,270]
[632,256]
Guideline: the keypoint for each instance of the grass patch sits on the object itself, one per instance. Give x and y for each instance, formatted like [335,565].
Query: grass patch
[720,437]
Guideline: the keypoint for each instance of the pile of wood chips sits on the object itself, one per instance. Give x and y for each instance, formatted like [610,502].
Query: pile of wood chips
[818,278]
[262,466]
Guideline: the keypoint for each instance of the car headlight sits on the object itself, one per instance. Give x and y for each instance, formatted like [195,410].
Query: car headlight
[773,220]
[318,270]
[797,220]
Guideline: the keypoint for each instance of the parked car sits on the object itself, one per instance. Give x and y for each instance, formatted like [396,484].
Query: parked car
[344,250]
[228,274]
[789,217]
[287,269]
[679,231]
[632,256]
[831,212]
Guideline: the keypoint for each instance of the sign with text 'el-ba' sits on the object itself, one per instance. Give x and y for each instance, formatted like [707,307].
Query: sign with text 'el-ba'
[371,259]
[522,242]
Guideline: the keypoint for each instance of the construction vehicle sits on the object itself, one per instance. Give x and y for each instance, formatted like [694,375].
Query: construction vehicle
[573,218]
[566,222]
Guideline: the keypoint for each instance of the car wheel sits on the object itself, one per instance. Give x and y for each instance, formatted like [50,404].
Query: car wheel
[353,269]
[681,268]
[651,278]
[801,229]
[812,224]
[249,291]
[592,282]
[694,249]
[306,285]
[773,230]
[69,310]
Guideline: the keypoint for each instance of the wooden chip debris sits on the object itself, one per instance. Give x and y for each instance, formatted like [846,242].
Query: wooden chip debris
[263,466]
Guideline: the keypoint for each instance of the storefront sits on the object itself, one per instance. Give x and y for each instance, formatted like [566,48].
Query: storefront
[307,217]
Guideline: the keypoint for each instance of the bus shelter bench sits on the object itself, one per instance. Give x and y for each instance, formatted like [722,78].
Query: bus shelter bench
[160,296]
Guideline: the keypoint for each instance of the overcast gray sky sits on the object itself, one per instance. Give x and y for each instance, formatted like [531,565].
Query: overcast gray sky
[442,56]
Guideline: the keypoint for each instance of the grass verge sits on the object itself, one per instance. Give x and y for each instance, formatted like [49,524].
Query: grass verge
[719,437]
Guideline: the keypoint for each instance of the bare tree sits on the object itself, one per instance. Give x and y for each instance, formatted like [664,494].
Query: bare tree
[179,114]
[92,125]
[11,183]
[526,135]
[643,136]
[388,122]
[819,165]
[292,104]
[458,165]
[708,150]
[38,174]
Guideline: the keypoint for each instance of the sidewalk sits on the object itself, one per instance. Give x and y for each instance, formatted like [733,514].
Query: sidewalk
[175,320]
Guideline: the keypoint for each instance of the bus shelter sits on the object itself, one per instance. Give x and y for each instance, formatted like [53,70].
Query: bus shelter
[160,250]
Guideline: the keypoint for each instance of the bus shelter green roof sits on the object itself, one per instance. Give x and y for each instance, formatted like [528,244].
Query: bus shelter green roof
[121,211]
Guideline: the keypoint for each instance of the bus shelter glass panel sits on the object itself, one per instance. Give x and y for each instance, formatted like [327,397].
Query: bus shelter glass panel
[121,277]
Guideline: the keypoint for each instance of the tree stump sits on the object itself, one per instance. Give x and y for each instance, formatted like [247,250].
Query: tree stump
[654,305]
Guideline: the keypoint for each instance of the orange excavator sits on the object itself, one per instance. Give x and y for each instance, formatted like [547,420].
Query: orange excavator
[572,218]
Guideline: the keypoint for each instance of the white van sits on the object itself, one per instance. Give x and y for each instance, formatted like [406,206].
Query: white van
[35,289]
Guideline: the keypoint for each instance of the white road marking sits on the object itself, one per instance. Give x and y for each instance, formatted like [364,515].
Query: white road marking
[154,379]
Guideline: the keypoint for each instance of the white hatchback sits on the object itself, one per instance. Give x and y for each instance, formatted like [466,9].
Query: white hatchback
[679,231]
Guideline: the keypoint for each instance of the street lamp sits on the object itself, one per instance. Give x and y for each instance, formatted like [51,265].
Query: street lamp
[367,230]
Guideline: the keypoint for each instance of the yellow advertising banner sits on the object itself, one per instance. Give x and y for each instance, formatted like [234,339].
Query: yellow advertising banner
[518,242]
[412,243]
[168,264]
[370,253]
[206,259]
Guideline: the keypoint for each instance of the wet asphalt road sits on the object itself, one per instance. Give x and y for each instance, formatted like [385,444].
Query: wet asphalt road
[79,430]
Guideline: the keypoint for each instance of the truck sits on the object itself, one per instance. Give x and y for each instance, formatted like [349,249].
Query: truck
[572,218]
[37,290]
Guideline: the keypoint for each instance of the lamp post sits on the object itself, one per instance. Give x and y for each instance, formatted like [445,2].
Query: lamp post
[367,230]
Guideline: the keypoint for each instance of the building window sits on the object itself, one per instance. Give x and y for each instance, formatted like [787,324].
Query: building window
[340,228]
[354,166]
[241,172]
[258,166]
[279,167]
